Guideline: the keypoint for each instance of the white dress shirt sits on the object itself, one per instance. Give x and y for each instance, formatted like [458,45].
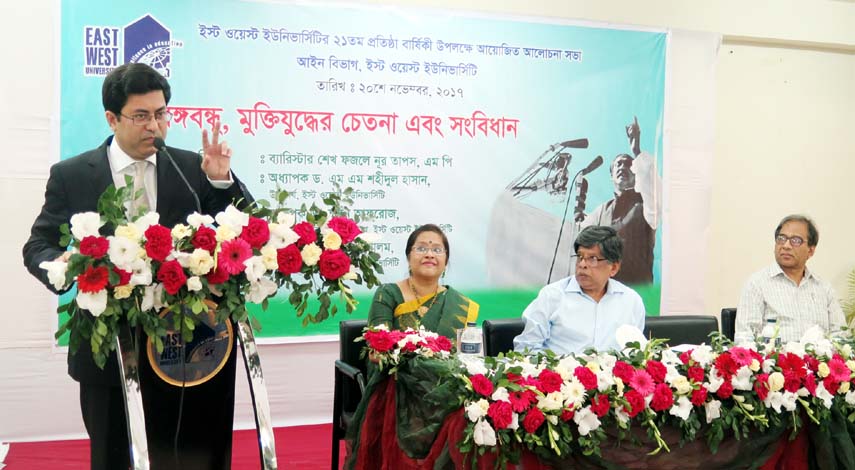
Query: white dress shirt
[769,293]
[565,319]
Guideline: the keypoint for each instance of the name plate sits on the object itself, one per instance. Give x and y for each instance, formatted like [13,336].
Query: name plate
[196,362]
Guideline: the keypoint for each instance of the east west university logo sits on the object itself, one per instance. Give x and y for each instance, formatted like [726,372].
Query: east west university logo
[144,41]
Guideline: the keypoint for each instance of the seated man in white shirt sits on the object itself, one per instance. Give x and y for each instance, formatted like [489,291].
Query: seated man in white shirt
[787,291]
[584,310]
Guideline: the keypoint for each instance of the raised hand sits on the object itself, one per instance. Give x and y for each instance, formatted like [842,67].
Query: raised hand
[216,158]
[633,133]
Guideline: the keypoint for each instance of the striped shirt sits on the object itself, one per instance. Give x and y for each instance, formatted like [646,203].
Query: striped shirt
[769,293]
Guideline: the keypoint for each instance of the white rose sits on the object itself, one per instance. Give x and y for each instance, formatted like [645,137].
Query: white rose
[776,381]
[85,224]
[477,410]
[194,284]
[682,385]
[152,298]
[181,231]
[311,253]
[225,233]
[200,262]
[130,231]
[123,292]
[269,257]
[332,241]
[551,401]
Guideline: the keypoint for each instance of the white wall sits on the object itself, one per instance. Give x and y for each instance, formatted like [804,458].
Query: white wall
[780,145]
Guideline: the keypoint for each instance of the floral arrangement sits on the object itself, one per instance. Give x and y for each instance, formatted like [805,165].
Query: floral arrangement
[234,257]
[556,405]
[388,348]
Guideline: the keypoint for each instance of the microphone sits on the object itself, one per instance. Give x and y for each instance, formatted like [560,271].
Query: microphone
[573,144]
[160,145]
[593,165]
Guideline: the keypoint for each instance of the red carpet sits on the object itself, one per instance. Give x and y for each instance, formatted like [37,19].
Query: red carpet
[297,447]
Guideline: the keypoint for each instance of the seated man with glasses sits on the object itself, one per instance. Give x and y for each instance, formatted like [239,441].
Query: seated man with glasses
[787,291]
[584,310]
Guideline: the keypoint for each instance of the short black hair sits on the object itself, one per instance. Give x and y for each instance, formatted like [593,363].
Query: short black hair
[813,233]
[618,157]
[131,79]
[427,228]
[605,237]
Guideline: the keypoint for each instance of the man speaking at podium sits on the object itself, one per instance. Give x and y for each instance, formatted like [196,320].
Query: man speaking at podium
[135,97]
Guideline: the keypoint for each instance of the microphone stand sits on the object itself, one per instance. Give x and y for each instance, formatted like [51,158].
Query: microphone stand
[563,219]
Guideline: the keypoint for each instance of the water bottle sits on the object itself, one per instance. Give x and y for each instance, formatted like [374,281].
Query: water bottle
[470,341]
[770,330]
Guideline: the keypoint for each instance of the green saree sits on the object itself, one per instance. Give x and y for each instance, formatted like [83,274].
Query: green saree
[447,313]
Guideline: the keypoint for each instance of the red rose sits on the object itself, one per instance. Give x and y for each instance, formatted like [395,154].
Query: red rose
[635,402]
[256,232]
[726,390]
[124,276]
[501,414]
[289,259]
[205,238]
[171,274]
[656,370]
[792,382]
[521,400]
[345,228]
[623,371]
[306,231]
[588,378]
[761,386]
[217,275]
[93,279]
[95,247]
[810,384]
[533,419]
[440,343]
[481,384]
[549,381]
[409,347]
[380,341]
[600,405]
[699,396]
[567,414]
[831,385]
[686,356]
[696,374]
[333,264]
[513,378]
[158,242]
[663,398]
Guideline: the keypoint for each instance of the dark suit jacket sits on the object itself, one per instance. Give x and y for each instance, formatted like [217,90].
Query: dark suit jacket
[76,184]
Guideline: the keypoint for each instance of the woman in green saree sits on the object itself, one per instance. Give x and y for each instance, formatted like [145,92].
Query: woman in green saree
[420,300]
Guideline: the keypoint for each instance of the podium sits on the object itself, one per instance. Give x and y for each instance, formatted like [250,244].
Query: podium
[130,368]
